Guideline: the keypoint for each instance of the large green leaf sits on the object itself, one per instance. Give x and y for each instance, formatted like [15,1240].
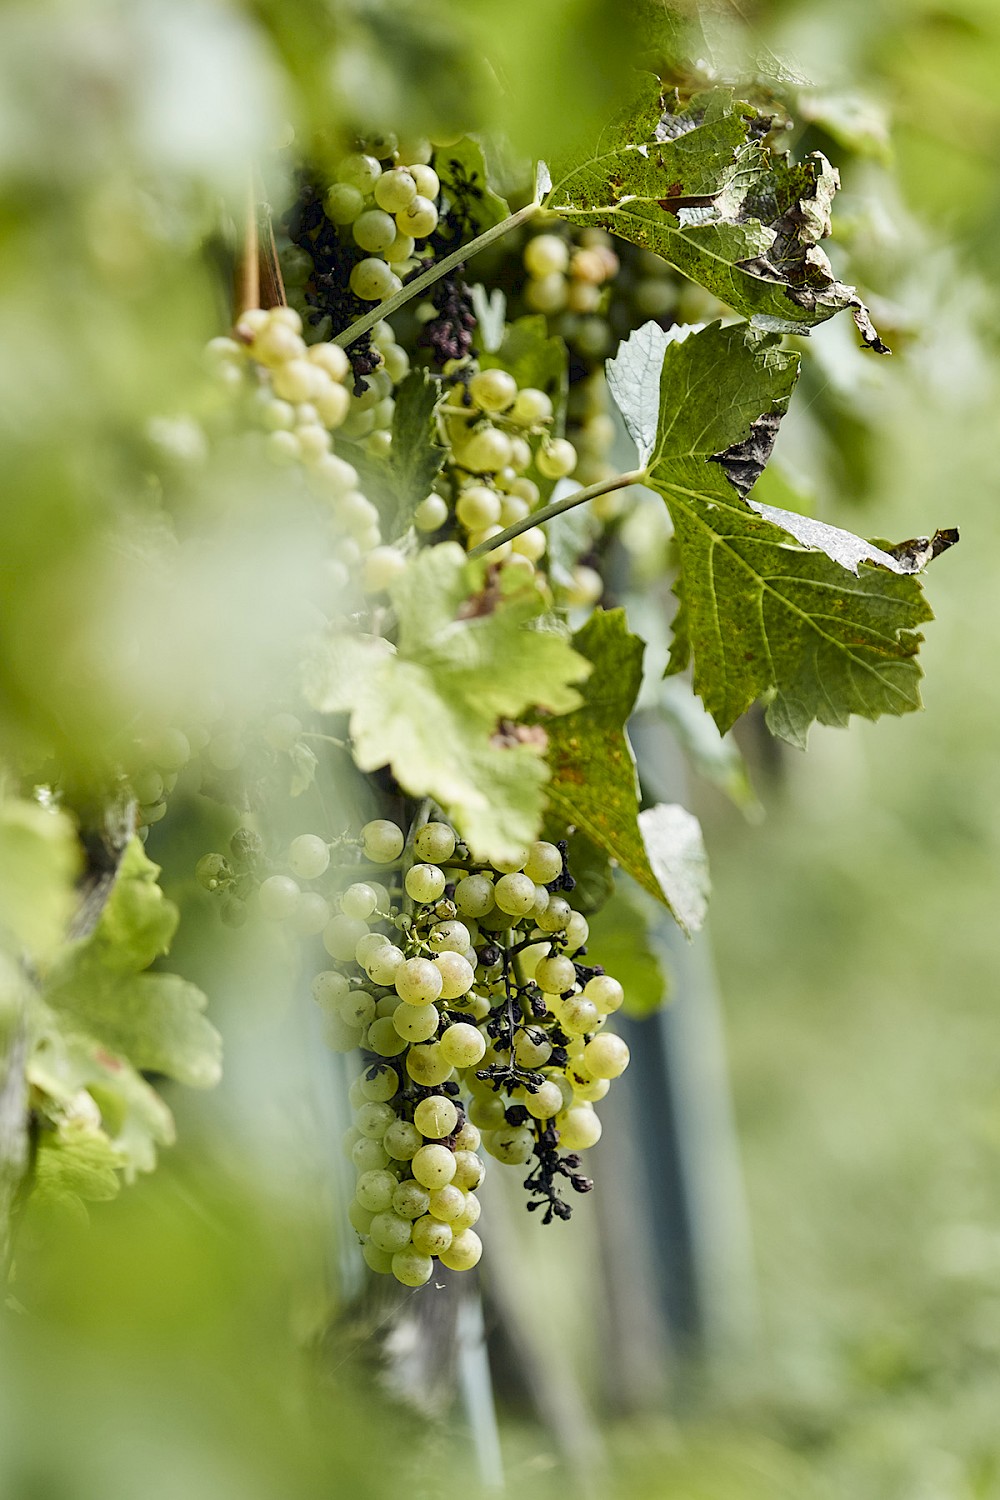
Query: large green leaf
[695,184]
[594,787]
[469,201]
[440,708]
[821,634]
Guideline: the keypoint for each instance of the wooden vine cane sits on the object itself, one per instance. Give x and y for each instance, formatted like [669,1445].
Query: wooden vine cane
[258,281]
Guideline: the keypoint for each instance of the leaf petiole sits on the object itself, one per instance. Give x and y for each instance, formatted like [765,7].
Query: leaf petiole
[549,512]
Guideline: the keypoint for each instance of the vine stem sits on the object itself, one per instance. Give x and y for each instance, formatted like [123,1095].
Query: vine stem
[549,512]
[441,268]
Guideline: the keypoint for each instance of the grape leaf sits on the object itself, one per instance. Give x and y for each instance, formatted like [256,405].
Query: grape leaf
[695,184]
[39,859]
[76,1160]
[433,708]
[97,987]
[398,483]
[761,616]
[676,852]
[594,786]
[471,206]
[620,934]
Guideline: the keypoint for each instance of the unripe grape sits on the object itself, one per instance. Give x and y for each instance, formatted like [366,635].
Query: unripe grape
[579,1128]
[378,1260]
[464,1252]
[556,915]
[512,864]
[457,975]
[468,1138]
[590,1089]
[474,896]
[427,1066]
[333,476]
[332,406]
[368,945]
[343,203]
[374,230]
[331,359]
[531,543]
[531,1048]
[373,1118]
[411,1268]
[469,1215]
[380,1082]
[469,1171]
[357,1008]
[546,1101]
[402,1140]
[450,936]
[541,902]
[486,1111]
[547,294]
[339,1037]
[384,964]
[431,513]
[277,416]
[341,936]
[431,1236]
[435,1116]
[383,841]
[606,993]
[359,901]
[359,170]
[493,390]
[484,451]
[432,1166]
[388,1005]
[463,1045]
[426,179]
[579,1015]
[276,345]
[556,974]
[424,883]
[410,1200]
[512,1144]
[419,218]
[556,459]
[417,1023]
[390,1232]
[295,380]
[531,407]
[577,931]
[311,914]
[314,442]
[309,857]
[328,987]
[383,1039]
[382,566]
[397,361]
[545,255]
[417,981]
[607,1056]
[447,1203]
[368,1155]
[361,1218]
[477,507]
[374,1190]
[395,190]
[515,894]
[278,897]
[373,281]
[512,510]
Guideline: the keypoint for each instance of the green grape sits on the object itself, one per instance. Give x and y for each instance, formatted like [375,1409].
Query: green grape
[434,842]
[380,1083]
[361,1218]
[419,218]
[477,507]
[359,170]
[374,230]
[411,1268]
[383,841]
[384,964]
[474,896]
[357,1008]
[278,897]
[579,1128]
[463,1045]
[343,203]
[512,1144]
[468,1138]
[417,1023]
[486,1111]
[435,1117]
[531,1048]
[450,936]
[395,190]
[469,1215]
[546,1101]
[556,459]
[457,975]
[402,1140]
[373,1118]
[430,514]
[556,915]
[425,177]
[427,1066]
[378,1260]
[328,987]
[484,451]
[464,1252]
[369,1156]
[469,1170]
[424,883]
[383,1038]
[373,281]
[545,255]
[417,981]
[577,931]
[431,1236]
[531,544]
[547,294]
[579,1016]
[432,1166]
[531,407]
[368,945]
[359,901]
[374,1190]
[382,566]
[515,894]
[410,1200]
[605,992]
[341,936]
[493,390]
[607,1056]
[212,870]
[390,1232]
[447,1202]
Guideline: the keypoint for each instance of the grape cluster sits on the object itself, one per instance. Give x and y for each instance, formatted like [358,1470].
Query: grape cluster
[478,1023]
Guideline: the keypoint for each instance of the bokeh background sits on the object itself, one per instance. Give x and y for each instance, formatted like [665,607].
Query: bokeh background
[190,1340]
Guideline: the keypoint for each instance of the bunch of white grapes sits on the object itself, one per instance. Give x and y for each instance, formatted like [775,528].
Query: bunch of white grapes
[463,988]
[384,199]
